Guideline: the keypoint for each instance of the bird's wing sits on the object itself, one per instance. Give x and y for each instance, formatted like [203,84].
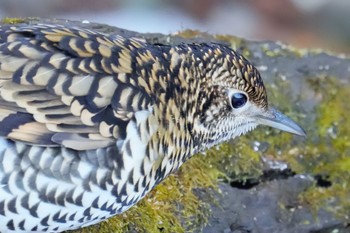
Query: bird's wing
[66,86]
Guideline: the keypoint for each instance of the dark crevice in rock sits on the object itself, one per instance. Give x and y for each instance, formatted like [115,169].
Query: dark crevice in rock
[247,184]
[275,174]
[322,181]
[267,175]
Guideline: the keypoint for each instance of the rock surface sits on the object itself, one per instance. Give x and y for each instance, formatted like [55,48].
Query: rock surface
[270,207]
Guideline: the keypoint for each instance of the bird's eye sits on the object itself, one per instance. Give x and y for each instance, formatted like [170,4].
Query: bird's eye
[238,100]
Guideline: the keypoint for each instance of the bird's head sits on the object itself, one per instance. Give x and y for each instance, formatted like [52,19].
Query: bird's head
[232,100]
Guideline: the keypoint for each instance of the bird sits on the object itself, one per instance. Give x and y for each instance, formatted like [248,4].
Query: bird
[91,122]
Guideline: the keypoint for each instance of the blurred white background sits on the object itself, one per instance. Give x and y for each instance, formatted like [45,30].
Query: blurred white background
[304,23]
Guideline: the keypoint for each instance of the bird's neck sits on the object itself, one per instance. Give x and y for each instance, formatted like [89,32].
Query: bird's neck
[174,83]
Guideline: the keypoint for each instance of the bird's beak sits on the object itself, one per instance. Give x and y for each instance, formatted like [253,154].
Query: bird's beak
[276,119]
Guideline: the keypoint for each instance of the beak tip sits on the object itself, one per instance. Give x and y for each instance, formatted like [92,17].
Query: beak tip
[301,133]
[280,121]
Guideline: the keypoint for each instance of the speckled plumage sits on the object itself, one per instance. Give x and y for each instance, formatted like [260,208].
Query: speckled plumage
[90,123]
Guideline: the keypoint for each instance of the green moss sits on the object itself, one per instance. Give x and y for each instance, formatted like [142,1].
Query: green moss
[188,34]
[329,152]
[8,20]
[283,50]
[279,49]
[236,43]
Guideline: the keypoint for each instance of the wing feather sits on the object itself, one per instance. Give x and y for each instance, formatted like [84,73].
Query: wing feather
[67,87]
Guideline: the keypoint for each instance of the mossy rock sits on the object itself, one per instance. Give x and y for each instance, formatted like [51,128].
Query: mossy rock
[313,87]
